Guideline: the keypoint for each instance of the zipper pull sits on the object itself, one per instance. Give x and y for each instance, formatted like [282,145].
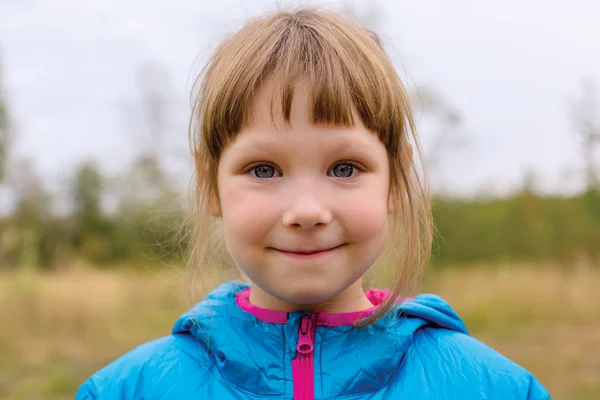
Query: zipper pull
[305,340]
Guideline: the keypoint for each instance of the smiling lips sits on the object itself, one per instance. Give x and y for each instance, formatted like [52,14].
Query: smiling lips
[307,253]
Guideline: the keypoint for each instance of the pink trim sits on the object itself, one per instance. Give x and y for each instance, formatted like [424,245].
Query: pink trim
[270,316]
[375,296]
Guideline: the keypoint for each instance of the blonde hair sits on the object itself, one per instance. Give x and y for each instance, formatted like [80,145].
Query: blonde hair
[347,70]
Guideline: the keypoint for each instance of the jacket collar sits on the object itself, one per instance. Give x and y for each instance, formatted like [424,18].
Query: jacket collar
[376,297]
[253,348]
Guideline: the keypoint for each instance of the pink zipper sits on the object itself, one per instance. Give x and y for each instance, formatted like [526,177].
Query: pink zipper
[303,370]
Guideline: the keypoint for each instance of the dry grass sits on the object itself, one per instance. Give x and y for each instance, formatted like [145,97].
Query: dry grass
[58,329]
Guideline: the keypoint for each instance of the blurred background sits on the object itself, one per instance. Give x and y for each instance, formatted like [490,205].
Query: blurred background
[94,165]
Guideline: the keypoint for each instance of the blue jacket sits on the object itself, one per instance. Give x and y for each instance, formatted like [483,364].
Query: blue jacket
[218,350]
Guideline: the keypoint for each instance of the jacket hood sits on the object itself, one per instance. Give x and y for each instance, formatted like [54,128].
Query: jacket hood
[256,355]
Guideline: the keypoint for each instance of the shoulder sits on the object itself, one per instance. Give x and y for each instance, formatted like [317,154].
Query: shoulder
[464,363]
[148,368]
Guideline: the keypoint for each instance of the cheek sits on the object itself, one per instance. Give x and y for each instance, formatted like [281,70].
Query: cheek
[367,210]
[366,217]
[246,216]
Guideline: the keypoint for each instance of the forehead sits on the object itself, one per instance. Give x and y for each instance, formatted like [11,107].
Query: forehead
[268,129]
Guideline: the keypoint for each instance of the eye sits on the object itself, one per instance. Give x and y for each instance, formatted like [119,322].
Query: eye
[344,170]
[264,171]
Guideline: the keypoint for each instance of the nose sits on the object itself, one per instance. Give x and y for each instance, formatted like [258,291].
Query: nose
[307,212]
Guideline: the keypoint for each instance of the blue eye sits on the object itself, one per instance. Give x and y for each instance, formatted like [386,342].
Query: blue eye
[343,170]
[263,171]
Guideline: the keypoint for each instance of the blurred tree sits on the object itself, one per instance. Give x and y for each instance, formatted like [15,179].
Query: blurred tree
[586,114]
[87,194]
[4,130]
[153,87]
[31,213]
[147,192]
[33,200]
[147,120]
[444,123]
[147,115]
[90,232]
[4,233]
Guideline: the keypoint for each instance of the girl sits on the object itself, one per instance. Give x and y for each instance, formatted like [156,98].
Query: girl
[302,145]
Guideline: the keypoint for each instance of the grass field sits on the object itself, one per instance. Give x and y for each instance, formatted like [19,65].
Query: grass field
[58,329]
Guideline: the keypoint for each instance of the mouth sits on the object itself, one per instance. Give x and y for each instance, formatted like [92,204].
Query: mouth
[308,253]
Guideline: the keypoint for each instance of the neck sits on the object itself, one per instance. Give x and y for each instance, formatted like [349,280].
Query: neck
[351,299]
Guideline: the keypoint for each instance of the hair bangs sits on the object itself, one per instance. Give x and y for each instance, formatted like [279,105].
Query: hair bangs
[342,63]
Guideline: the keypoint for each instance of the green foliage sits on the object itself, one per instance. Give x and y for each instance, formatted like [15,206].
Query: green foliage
[522,228]
[145,228]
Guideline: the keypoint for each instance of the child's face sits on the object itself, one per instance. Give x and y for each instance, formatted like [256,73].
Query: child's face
[304,207]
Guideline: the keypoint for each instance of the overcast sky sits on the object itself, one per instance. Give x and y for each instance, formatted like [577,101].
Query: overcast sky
[512,68]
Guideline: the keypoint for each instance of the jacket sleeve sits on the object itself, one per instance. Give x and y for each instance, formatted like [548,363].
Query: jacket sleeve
[87,391]
[536,390]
